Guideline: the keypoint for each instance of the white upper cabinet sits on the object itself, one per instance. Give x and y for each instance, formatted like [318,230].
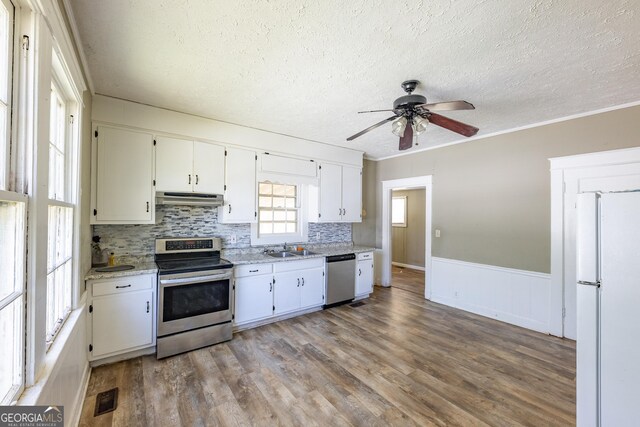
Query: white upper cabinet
[340,195]
[123,177]
[186,166]
[240,187]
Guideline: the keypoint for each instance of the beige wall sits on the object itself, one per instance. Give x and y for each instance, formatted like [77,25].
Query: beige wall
[408,242]
[364,233]
[491,197]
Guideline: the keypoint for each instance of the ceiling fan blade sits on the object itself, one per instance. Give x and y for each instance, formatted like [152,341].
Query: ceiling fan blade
[352,137]
[452,125]
[448,106]
[406,140]
[372,111]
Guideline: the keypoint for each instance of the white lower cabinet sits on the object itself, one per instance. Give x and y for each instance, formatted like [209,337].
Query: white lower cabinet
[364,275]
[121,315]
[270,290]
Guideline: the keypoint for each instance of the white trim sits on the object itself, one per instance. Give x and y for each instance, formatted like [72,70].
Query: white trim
[558,170]
[518,297]
[413,267]
[74,420]
[78,41]
[510,130]
[406,183]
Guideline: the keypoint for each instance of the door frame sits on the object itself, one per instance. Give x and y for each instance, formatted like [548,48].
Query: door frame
[413,183]
[560,251]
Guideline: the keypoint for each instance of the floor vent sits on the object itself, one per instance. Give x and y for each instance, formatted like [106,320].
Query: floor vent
[106,401]
[356,304]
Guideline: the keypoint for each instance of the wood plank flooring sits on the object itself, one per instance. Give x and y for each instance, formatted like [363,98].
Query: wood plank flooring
[408,279]
[397,360]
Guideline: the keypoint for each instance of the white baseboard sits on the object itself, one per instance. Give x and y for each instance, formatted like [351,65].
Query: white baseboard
[413,267]
[514,296]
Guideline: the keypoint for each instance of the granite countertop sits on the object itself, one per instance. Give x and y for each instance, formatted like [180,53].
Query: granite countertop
[144,267]
[258,258]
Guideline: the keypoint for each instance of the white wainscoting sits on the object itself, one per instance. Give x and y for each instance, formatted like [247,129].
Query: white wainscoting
[514,296]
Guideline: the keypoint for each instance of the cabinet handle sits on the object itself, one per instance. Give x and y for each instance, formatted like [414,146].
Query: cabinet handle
[147,306]
[344,211]
[229,207]
[359,272]
[339,211]
[270,286]
[123,286]
[303,281]
[189,178]
[147,206]
[298,282]
[253,271]
[197,179]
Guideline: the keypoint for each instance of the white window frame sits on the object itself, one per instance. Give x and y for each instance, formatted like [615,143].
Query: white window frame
[404,203]
[301,235]
[5,172]
[62,83]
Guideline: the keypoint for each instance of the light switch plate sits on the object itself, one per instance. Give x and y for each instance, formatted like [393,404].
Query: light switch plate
[437,233]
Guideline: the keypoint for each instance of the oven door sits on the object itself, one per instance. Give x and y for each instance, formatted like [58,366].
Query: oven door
[193,300]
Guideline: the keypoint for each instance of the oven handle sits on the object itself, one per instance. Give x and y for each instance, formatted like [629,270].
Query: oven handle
[193,279]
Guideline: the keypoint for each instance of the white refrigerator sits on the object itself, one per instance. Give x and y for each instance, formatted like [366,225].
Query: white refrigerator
[608,297]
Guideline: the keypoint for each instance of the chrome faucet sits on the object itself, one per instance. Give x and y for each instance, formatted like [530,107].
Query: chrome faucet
[284,247]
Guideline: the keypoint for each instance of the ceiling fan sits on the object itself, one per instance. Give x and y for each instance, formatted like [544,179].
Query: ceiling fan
[413,114]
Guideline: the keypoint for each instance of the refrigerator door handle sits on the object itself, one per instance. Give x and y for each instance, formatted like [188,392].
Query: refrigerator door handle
[588,238]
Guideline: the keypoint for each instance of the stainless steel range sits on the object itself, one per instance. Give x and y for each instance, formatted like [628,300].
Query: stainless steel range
[195,295]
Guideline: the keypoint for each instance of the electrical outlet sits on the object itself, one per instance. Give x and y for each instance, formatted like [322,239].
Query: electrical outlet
[318,236]
[233,239]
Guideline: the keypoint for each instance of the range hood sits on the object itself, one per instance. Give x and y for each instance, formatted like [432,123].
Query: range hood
[189,199]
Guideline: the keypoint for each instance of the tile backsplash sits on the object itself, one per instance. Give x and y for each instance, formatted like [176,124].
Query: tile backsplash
[189,221]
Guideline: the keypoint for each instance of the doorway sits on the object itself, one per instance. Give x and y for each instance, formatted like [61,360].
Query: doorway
[407,239]
[423,183]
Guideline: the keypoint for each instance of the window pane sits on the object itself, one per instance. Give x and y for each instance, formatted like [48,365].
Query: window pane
[264,188]
[290,191]
[59,262]
[4,146]
[279,215]
[291,227]
[291,215]
[266,215]
[278,202]
[290,203]
[278,190]
[12,236]
[266,228]
[279,228]
[264,202]
[11,337]
[398,206]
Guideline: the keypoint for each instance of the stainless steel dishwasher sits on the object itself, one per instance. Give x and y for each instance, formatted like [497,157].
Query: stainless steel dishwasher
[341,279]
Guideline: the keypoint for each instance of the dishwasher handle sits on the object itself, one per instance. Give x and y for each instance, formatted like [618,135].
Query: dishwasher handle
[338,258]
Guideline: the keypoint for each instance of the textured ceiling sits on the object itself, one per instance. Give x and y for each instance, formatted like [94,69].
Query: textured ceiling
[304,68]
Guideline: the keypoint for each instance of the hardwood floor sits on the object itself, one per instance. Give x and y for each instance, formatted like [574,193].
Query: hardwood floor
[397,360]
[408,279]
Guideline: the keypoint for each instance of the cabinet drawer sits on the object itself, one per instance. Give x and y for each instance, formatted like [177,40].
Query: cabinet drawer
[123,284]
[298,265]
[365,255]
[253,270]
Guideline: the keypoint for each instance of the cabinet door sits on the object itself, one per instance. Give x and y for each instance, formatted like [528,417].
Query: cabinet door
[312,287]
[124,177]
[330,193]
[364,277]
[351,194]
[286,292]
[174,165]
[254,298]
[122,322]
[240,195]
[208,168]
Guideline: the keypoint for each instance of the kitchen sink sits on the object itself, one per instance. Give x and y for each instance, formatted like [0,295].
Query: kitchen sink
[304,252]
[280,254]
[123,267]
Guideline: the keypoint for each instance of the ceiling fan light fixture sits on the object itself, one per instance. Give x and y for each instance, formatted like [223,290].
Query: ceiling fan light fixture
[398,126]
[420,125]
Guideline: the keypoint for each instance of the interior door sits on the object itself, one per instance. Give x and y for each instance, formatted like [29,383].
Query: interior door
[174,164]
[605,179]
[208,168]
[312,287]
[619,303]
[330,193]
[351,194]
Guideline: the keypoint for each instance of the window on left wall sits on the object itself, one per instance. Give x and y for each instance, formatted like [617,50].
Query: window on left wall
[62,206]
